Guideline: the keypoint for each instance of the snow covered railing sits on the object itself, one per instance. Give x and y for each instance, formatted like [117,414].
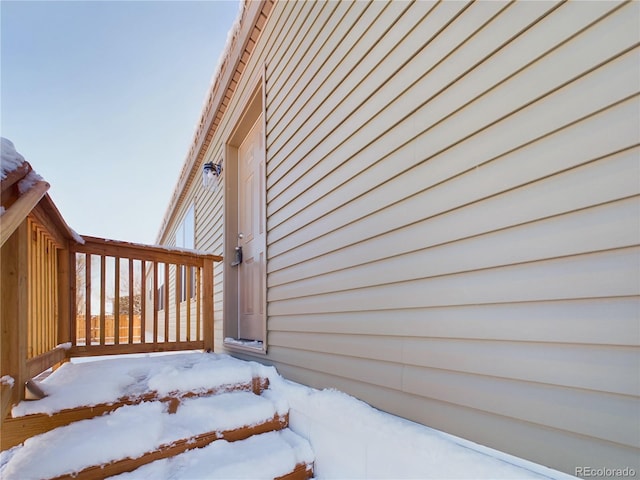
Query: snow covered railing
[13,217]
[132,298]
[33,263]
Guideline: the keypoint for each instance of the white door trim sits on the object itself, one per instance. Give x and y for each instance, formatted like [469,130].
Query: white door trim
[252,112]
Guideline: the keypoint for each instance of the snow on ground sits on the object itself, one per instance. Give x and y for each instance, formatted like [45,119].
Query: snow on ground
[353,440]
[349,438]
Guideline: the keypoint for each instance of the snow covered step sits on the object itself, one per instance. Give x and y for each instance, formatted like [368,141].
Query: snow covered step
[135,435]
[273,455]
[17,430]
[85,390]
[106,381]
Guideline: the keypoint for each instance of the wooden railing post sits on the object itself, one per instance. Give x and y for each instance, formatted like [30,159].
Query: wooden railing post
[207,304]
[14,316]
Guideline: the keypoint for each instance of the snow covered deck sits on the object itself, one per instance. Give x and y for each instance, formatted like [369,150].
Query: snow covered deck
[64,295]
[345,438]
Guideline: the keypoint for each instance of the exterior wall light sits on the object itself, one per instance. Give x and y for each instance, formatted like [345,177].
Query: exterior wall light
[211,174]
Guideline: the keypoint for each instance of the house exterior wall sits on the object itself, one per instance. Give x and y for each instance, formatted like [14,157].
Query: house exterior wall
[453,217]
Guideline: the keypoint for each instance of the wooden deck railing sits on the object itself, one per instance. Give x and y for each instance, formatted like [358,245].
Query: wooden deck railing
[42,288]
[157,299]
[61,298]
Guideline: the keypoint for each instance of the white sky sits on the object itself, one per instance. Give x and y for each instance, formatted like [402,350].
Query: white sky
[102,98]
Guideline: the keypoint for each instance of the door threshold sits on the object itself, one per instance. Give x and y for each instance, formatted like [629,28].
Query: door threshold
[255,346]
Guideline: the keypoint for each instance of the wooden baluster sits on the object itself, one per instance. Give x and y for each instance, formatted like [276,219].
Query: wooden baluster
[56,297]
[65,288]
[38,292]
[116,303]
[131,300]
[155,302]
[72,297]
[166,302]
[188,295]
[31,304]
[53,304]
[37,296]
[45,282]
[87,298]
[48,323]
[178,299]
[103,298]
[143,300]
[41,286]
[198,303]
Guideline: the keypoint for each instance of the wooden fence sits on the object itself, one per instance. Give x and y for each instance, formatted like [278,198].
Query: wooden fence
[125,335]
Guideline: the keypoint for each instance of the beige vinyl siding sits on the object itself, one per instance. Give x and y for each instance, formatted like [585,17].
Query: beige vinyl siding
[453,216]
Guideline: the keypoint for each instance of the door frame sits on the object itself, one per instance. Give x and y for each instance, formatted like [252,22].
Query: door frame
[250,114]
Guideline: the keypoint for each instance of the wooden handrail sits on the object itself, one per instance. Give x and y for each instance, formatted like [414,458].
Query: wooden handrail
[152,253]
[15,215]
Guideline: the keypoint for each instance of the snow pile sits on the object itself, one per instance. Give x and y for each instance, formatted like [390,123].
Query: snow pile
[10,159]
[29,181]
[351,439]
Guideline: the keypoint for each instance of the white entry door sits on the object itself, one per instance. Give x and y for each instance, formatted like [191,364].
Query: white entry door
[252,234]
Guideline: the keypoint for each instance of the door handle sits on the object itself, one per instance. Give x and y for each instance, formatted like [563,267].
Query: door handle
[238,257]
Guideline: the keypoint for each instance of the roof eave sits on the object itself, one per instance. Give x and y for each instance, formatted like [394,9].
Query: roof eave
[223,88]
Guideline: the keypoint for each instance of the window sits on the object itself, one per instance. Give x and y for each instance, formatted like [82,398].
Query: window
[185,238]
[185,234]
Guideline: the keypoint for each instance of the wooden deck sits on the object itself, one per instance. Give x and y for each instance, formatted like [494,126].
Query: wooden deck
[66,296]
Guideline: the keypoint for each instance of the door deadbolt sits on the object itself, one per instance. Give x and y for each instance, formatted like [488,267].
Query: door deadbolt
[238,257]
